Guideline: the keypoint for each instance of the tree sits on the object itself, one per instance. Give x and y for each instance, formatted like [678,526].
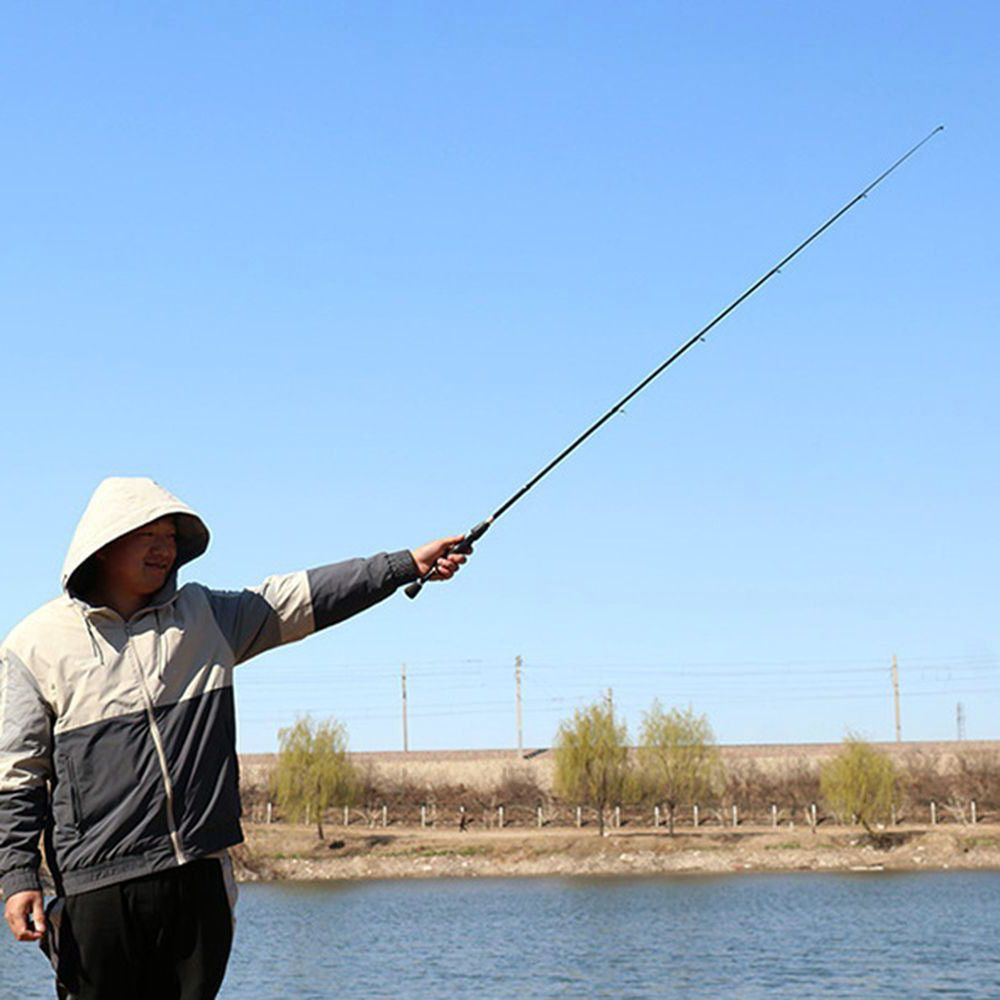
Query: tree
[313,771]
[860,781]
[678,757]
[591,758]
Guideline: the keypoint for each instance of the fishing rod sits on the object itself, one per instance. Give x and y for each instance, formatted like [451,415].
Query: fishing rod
[465,544]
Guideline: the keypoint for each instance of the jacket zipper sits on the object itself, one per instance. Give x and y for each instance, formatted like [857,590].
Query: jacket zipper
[154,730]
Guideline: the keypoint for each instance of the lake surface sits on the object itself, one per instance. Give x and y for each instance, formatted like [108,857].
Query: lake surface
[769,935]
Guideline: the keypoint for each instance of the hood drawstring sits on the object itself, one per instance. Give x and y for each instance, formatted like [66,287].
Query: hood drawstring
[98,652]
[159,659]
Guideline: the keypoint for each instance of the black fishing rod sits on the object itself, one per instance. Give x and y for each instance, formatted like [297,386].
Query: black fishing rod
[465,544]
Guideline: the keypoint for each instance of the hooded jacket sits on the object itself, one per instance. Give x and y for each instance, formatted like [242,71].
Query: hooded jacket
[118,738]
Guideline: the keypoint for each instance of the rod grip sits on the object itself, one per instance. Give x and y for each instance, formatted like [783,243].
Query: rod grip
[464,545]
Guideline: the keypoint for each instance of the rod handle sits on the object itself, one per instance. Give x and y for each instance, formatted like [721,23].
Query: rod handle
[464,545]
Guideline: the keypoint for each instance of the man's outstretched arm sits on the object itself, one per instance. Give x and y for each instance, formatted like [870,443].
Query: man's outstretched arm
[288,607]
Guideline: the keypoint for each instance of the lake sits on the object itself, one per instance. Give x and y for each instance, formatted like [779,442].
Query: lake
[803,934]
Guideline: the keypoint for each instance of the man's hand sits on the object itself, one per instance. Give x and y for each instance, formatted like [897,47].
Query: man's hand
[432,555]
[25,912]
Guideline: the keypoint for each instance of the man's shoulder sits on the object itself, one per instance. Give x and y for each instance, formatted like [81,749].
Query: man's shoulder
[43,624]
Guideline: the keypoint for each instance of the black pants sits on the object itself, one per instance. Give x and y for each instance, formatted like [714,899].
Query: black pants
[160,937]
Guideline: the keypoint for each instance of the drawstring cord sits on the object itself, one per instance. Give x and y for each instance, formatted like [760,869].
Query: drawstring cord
[95,645]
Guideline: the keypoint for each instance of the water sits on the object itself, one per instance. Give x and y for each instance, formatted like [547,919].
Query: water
[776,935]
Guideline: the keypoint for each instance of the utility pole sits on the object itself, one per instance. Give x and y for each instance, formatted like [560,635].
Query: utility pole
[406,737]
[895,693]
[520,725]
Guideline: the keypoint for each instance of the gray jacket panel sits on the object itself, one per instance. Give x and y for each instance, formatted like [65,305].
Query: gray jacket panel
[343,589]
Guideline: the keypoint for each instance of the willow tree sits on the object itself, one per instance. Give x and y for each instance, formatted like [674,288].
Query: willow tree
[313,770]
[591,758]
[678,759]
[860,781]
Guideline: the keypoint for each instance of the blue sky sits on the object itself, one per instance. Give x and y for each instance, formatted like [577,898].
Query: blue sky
[345,276]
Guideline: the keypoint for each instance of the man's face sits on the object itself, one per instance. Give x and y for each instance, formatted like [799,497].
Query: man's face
[140,562]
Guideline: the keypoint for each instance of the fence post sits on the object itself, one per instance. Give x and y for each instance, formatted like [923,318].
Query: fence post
[933,814]
[579,817]
[540,823]
[307,815]
[618,817]
[656,816]
[423,816]
[736,816]
[695,814]
[892,815]
[270,812]
[812,815]
[347,816]
[774,816]
[500,816]
[385,815]
[973,807]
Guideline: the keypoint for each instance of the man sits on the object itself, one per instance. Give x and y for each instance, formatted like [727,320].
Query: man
[117,740]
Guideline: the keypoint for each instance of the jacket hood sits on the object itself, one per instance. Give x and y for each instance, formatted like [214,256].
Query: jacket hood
[120,505]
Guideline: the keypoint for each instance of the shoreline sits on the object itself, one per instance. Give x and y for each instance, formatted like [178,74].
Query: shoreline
[285,852]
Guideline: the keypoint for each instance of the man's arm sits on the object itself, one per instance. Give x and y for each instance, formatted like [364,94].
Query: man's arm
[25,762]
[286,608]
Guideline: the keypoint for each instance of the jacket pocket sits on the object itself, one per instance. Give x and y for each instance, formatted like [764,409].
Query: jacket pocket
[67,810]
[76,807]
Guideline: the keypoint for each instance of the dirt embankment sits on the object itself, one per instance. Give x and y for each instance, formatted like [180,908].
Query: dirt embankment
[284,851]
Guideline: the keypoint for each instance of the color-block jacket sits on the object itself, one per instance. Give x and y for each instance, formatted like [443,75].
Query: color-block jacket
[117,738]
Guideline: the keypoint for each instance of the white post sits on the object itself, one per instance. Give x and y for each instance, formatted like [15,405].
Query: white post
[347,816]
[540,822]
[385,815]
[423,816]
[893,818]
[579,816]
[774,816]
[656,816]
[933,814]
[973,807]
[270,812]
[736,816]
[696,817]
[500,816]
[618,816]
[812,815]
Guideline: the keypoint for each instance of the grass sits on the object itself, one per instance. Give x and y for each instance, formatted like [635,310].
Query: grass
[968,842]
[438,852]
